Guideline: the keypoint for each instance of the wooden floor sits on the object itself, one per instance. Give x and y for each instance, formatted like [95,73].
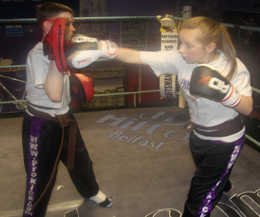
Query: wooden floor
[141,158]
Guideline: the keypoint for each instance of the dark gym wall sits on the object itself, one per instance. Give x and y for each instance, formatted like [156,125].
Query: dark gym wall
[17,47]
[14,49]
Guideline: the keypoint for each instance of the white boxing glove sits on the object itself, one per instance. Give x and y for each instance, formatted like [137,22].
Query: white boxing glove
[109,49]
[82,52]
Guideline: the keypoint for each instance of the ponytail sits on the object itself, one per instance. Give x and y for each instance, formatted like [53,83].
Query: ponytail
[229,50]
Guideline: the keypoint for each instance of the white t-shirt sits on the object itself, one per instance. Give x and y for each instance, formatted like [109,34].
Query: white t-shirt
[203,111]
[37,66]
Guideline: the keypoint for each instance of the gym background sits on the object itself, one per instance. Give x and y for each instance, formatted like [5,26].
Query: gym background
[14,46]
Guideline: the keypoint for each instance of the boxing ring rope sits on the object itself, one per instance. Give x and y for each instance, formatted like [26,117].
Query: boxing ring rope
[121,18]
[95,95]
[96,19]
[137,92]
[256,90]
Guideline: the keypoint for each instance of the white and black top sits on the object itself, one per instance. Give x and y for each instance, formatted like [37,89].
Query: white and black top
[37,66]
[203,111]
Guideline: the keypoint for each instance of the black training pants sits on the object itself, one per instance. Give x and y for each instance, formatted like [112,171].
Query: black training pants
[41,142]
[214,161]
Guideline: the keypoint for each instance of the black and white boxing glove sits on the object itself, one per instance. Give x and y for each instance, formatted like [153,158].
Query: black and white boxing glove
[85,50]
[81,52]
[209,83]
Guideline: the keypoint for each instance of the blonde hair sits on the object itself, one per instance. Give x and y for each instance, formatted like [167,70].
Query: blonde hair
[213,32]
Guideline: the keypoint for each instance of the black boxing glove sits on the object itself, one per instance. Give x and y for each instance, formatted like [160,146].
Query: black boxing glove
[209,83]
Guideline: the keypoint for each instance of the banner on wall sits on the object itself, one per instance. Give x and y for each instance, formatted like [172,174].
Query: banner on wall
[169,34]
[169,41]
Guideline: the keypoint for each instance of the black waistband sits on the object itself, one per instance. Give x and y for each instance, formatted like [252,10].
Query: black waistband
[225,129]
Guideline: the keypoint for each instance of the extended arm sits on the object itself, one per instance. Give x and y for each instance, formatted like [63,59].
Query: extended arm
[129,56]
[126,55]
[83,50]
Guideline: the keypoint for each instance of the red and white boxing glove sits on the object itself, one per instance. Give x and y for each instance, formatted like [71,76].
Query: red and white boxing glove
[81,52]
[209,83]
[109,49]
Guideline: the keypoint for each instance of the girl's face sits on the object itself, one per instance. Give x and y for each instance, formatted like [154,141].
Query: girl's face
[191,49]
